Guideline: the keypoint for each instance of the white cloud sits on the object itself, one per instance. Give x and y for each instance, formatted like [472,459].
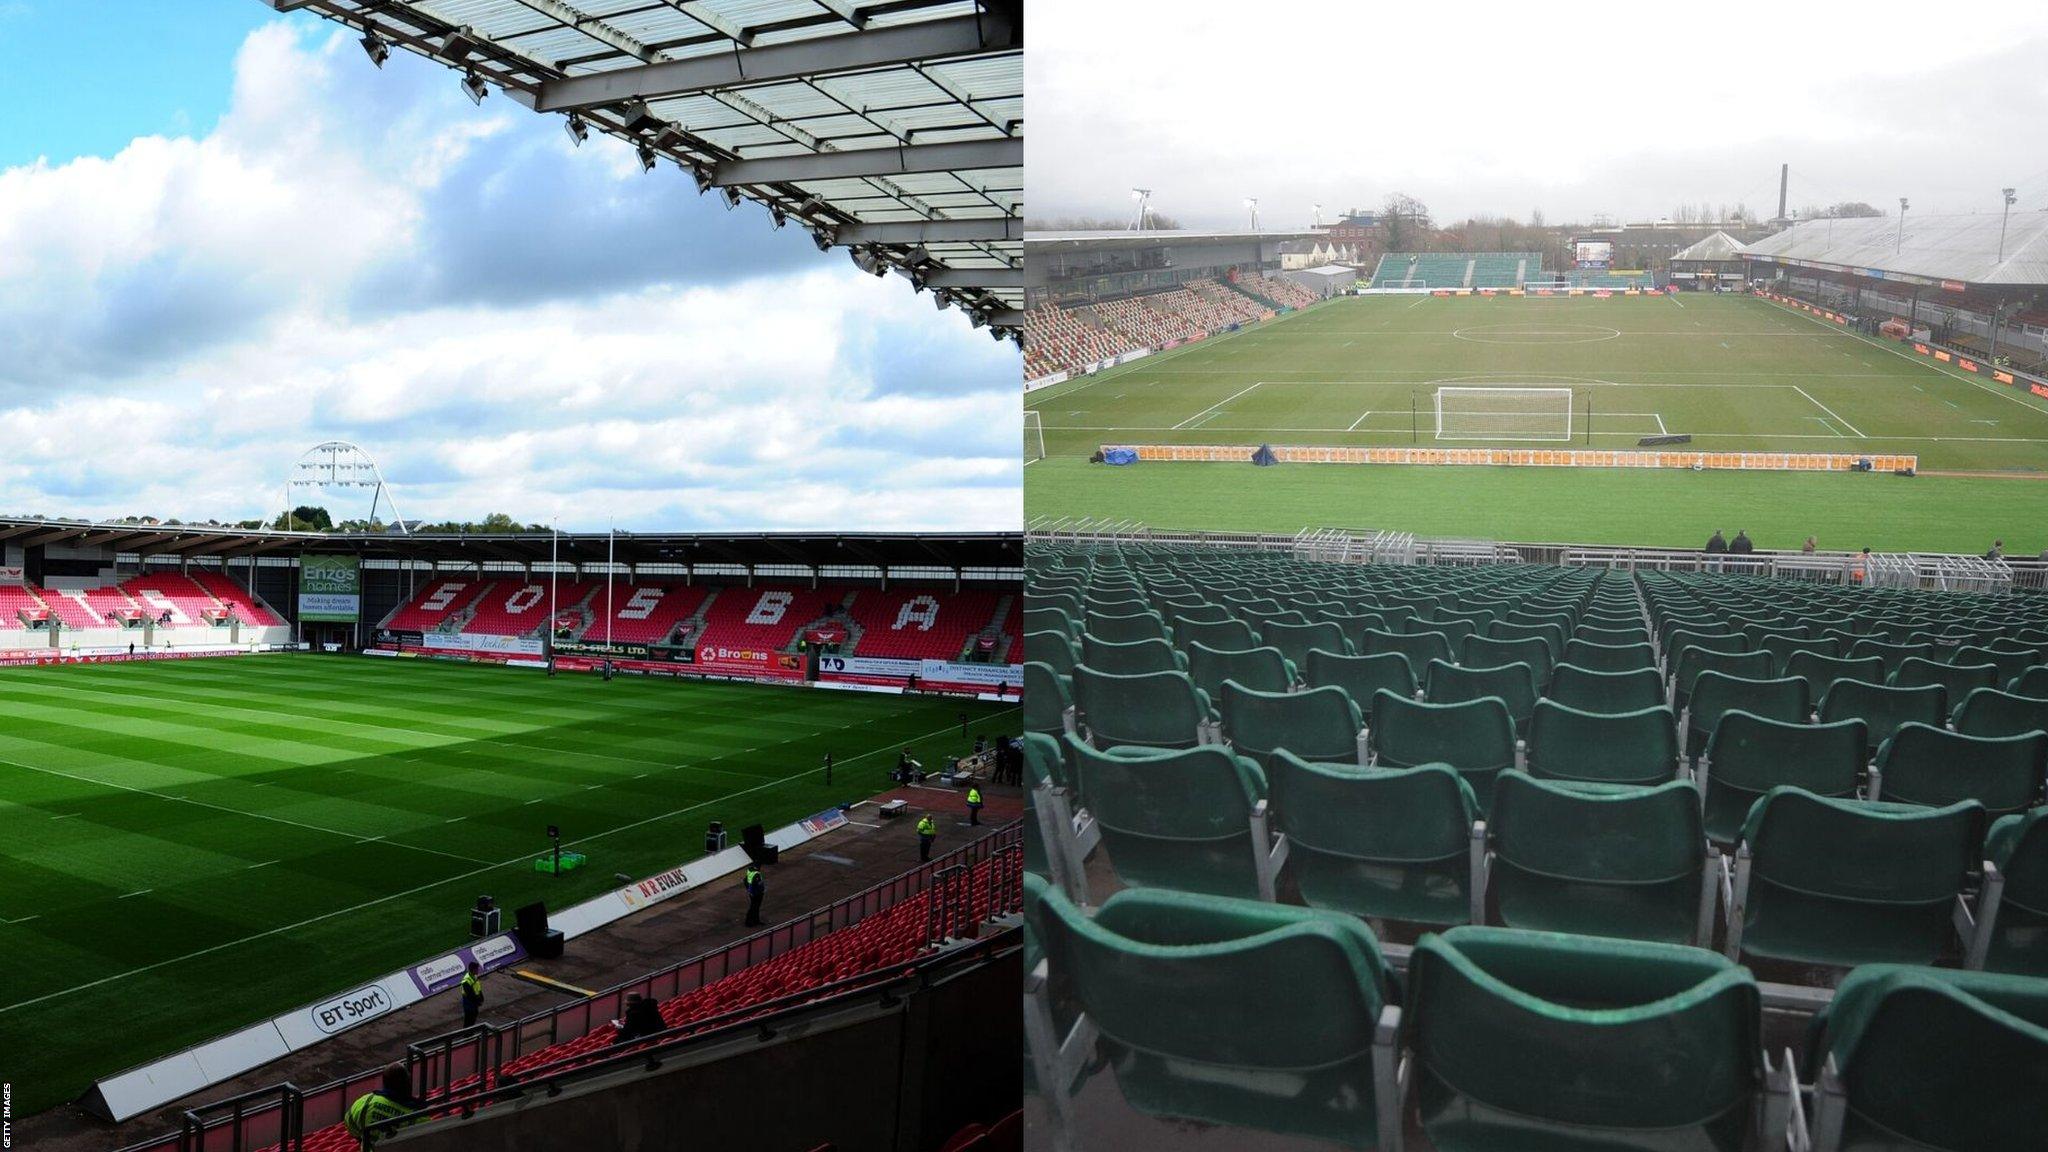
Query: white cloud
[506,323]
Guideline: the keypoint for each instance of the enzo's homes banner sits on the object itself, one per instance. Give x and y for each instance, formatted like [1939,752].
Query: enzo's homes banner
[330,588]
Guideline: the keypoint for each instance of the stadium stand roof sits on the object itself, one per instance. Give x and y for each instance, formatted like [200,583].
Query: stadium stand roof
[1719,246]
[1152,238]
[895,129]
[1963,248]
[865,549]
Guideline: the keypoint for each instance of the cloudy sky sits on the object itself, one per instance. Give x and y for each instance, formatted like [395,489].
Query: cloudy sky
[1577,108]
[255,241]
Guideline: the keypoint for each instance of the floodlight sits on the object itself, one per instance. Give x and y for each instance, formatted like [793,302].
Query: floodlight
[376,47]
[475,87]
[824,236]
[578,131]
[810,205]
[648,157]
[703,177]
[776,214]
[638,118]
[732,198]
[978,318]
[943,300]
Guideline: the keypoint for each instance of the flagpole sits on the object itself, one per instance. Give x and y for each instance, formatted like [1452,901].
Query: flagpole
[610,545]
[554,580]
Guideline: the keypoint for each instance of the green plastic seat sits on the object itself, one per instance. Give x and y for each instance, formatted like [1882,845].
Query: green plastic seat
[1893,655]
[1598,859]
[1883,709]
[1552,630]
[1639,747]
[1154,710]
[1234,1012]
[1173,819]
[1223,635]
[1715,694]
[1783,648]
[1931,1058]
[1959,679]
[2033,682]
[1419,648]
[1454,631]
[1382,843]
[1046,699]
[1513,684]
[1135,658]
[2009,662]
[1824,672]
[1611,637]
[1320,724]
[1847,882]
[1477,737]
[1361,676]
[1264,669]
[1609,657]
[1051,620]
[1054,649]
[1989,712]
[1697,662]
[1748,755]
[1124,628]
[1491,652]
[1610,692]
[1545,1042]
[1295,640]
[2018,937]
[1930,766]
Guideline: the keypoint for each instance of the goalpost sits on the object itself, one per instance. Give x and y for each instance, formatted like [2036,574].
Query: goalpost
[1423,284]
[1034,436]
[1504,413]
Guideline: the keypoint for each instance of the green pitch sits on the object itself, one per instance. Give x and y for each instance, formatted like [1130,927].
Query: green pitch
[1735,373]
[189,846]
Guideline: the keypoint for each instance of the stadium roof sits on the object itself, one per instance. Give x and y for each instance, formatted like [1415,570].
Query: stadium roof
[1331,270]
[1154,237]
[1719,246]
[895,129]
[857,549]
[1931,249]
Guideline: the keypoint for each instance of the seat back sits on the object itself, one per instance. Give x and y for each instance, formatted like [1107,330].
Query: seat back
[1361,676]
[1715,694]
[1126,627]
[1848,882]
[1419,648]
[1989,712]
[1696,662]
[1748,755]
[1295,640]
[1893,655]
[1609,657]
[1476,737]
[1611,692]
[1222,634]
[1388,843]
[1173,819]
[1883,709]
[1055,649]
[1134,658]
[2018,845]
[1319,724]
[1261,668]
[1937,1057]
[1153,710]
[1823,672]
[1639,747]
[1050,619]
[1596,859]
[1544,1040]
[1513,684]
[1959,679]
[1227,1011]
[1493,652]
[1046,698]
[1930,766]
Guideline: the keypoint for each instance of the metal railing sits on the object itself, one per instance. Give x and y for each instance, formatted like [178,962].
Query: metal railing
[436,1062]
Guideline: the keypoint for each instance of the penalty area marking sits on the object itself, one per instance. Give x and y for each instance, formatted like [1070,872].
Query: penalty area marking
[1830,411]
[1212,409]
[1509,334]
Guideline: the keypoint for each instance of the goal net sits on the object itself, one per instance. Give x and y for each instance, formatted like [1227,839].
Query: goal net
[1404,283]
[1034,436]
[1546,285]
[1504,414]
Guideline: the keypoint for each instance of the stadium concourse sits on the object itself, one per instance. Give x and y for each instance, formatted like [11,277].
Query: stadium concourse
[1708,852]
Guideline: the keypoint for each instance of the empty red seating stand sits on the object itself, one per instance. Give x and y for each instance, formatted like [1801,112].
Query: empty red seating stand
[763,619]
[432,604]
[919,623]
[173,592]
[644,613]
[14,600]
[225,590]
[515,607]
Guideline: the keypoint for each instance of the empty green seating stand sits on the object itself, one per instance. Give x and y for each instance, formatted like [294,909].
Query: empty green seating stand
[1382,843]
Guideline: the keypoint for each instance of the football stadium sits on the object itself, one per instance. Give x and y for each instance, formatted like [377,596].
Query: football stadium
[1486,396]
[256,782]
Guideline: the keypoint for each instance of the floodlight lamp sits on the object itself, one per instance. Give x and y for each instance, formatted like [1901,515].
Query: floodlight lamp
[732,199]
[648,157]
[943,300]
[824,238]
[376,47]
[776,214]
[2010,199]
[702,175]
[578,131]
[978,318]
[473,85]
[810,205]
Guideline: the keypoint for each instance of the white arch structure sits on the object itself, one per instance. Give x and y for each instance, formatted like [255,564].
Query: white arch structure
[340,464]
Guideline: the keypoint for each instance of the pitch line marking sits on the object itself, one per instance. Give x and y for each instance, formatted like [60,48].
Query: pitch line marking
[24,919]
[1213,407]
[139,892]
[433,884]
[1357,422]
[1828,410]
[225,808]
[1910,359]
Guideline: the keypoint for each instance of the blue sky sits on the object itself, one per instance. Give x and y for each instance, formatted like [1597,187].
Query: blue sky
[255,241]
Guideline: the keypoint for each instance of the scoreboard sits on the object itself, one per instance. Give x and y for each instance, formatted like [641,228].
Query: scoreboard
[1593,253]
